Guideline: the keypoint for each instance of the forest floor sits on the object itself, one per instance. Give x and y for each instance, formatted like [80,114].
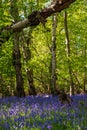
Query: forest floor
[43,113]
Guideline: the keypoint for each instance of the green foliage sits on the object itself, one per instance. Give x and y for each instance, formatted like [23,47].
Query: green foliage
[41,39]
[5,18]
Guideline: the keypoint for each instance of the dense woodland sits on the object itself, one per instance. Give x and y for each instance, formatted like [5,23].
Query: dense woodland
[48,53]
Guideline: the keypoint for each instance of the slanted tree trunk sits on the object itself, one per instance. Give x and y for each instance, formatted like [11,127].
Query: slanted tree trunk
[16,53]
[32,90]
[68,53]
[53,62]
[29,71]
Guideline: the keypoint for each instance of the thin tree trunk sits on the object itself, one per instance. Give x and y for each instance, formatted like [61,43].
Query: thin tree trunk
[16,53]
[53,64]
[85,71]
[68,53]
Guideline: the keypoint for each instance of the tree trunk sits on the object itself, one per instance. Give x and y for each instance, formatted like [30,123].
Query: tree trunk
[85,70]
[68,53]
[53,80]
[32,90]
[27,57]
[17,66]
[16,53]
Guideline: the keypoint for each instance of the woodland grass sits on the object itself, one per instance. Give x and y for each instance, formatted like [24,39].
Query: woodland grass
[43,113]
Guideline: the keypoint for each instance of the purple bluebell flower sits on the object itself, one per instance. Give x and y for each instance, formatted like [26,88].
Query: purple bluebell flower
[42,112]
[49,127]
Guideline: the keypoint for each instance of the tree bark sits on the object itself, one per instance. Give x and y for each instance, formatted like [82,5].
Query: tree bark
[27,57]
[16,53]
[85,70]
[32,90]
[17,66]
[40,16]
[68,53]
[54,25]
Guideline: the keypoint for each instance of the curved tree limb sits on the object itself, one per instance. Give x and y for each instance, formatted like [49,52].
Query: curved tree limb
[36,17]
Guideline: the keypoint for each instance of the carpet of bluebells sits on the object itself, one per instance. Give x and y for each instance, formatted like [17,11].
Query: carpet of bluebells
[43,113]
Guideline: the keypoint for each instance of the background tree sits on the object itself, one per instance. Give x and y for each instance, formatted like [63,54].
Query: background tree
[68,52]
[53,53]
